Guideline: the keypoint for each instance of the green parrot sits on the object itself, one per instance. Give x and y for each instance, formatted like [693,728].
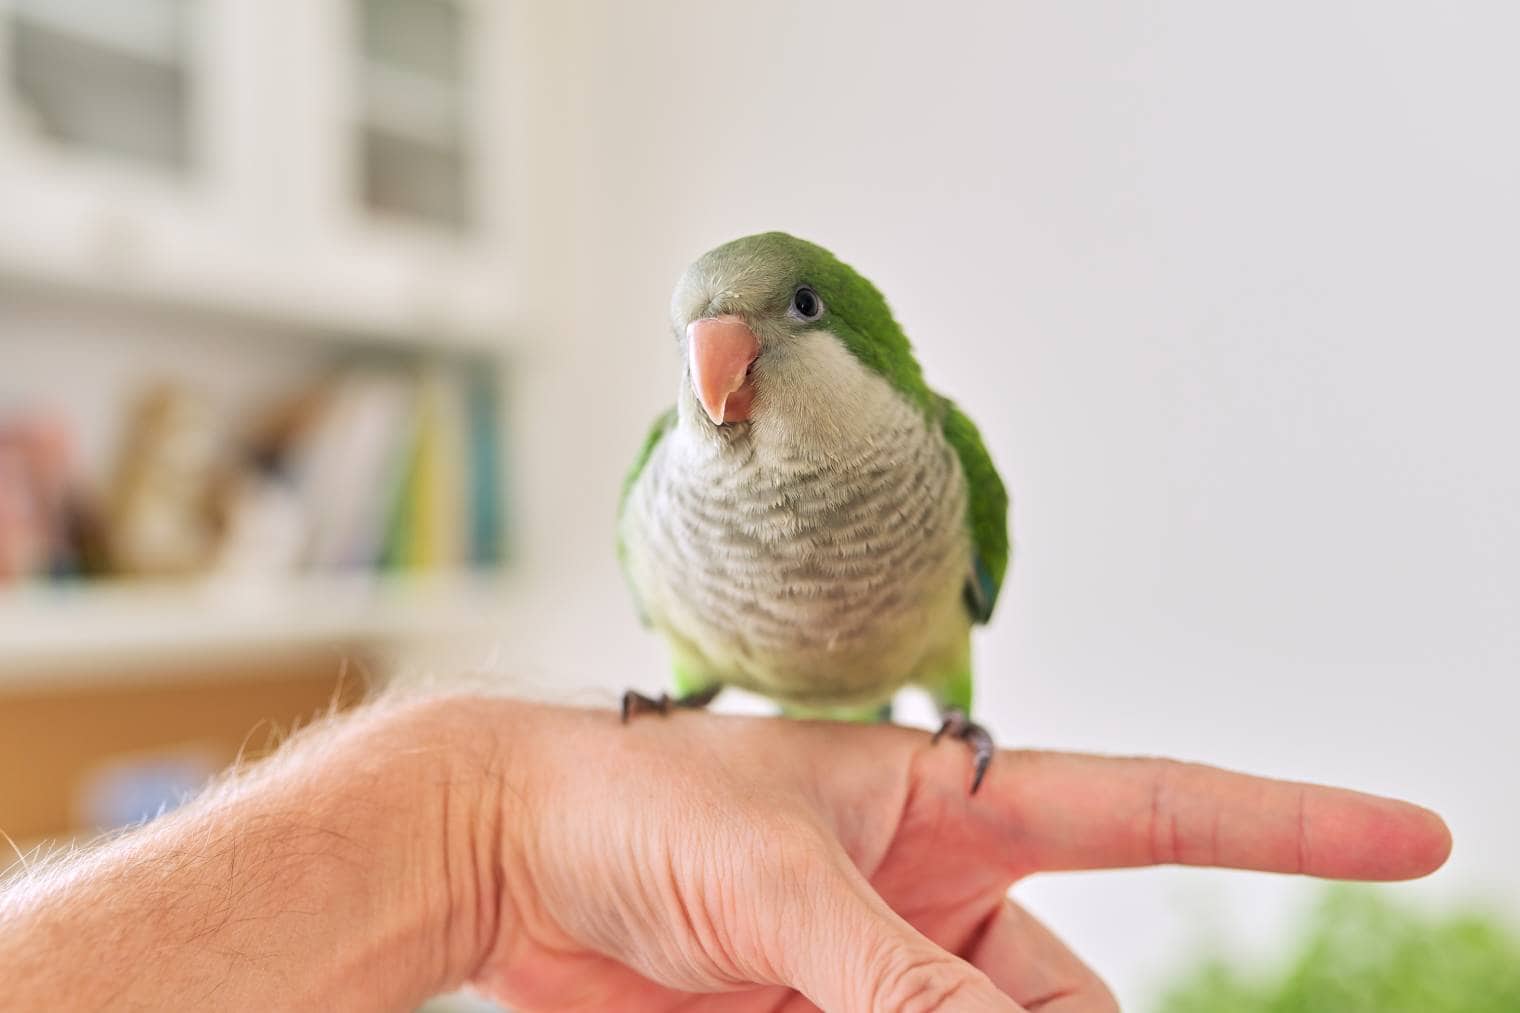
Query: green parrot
[810,522]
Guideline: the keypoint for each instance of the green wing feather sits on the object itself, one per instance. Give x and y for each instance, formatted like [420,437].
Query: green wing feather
[662,425]
[987,511]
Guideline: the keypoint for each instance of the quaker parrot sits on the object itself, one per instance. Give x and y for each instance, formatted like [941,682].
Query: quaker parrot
[810,521]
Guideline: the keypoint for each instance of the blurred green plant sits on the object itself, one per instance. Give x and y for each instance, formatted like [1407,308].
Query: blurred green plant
[1364,954]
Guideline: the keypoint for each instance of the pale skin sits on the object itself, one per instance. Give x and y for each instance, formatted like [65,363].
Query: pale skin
[560,861]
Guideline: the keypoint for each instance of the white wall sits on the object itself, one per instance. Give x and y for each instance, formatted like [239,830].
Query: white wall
[1231,290]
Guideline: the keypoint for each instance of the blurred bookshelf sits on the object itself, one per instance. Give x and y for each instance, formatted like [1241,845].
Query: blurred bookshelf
[256,332]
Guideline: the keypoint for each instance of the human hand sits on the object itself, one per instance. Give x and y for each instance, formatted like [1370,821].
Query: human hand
[565,863]
[784,864]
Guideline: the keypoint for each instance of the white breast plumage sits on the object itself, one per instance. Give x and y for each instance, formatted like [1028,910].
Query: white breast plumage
[821,566]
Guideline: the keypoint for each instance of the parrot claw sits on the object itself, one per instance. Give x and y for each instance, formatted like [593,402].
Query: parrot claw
[958,726]
[635,703]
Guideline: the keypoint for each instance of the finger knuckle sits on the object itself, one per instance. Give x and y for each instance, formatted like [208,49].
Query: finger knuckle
[922,984]
[1164,832]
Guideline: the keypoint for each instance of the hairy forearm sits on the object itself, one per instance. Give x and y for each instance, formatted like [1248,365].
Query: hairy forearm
[343,873]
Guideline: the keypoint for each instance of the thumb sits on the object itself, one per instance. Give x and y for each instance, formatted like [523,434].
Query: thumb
[847,951]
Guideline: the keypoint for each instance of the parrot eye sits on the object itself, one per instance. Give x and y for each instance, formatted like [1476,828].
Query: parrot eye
[806,305]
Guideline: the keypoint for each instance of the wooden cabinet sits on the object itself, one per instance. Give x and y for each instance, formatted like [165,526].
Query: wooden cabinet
[74,763]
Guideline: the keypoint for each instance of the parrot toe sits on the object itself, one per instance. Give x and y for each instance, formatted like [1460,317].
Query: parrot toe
[958,726]
[635,703]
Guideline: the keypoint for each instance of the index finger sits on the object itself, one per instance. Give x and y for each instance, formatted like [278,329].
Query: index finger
[1056,811]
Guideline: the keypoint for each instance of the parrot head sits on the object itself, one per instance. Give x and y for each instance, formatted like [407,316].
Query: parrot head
[774,325]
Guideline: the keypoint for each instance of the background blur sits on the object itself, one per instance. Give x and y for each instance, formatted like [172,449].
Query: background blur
[328,327]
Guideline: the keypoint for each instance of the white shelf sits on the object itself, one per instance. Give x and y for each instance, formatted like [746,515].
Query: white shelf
[115,235]
[289,306]
[110,629]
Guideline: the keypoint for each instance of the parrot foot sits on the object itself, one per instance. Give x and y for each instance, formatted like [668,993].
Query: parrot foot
[958,726]
[635,703]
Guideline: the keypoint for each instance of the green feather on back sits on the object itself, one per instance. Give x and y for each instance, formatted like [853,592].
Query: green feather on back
[987,510]
[662,425]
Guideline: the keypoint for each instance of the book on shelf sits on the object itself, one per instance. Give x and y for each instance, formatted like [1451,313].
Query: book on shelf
[390,467]
[401,472]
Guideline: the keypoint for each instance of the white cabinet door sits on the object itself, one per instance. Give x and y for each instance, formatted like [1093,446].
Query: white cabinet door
[323,164]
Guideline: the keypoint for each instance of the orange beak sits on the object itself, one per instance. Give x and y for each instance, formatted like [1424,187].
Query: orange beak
[720,351]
